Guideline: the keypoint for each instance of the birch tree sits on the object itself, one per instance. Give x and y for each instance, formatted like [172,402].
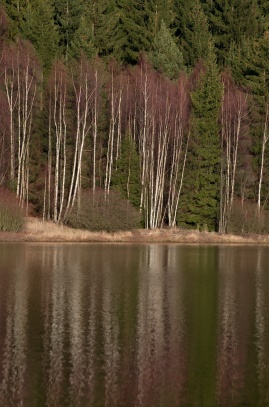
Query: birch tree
[178,148]
[9,72]
[84,87]
[57,134]
[161,121]
[265,138]
[20,72]
[233,115]
[115,131]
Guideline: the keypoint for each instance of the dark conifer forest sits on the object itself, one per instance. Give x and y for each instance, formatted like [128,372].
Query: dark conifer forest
[155,110]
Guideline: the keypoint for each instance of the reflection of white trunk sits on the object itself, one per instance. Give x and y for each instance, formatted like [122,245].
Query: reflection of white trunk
[228,363]
[159,325]
[56,327]
[75,314]
[111,343]
[91,348]
[260,318]
[14,359]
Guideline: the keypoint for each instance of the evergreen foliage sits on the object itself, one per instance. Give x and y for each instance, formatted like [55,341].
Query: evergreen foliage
[130,30]
[84,41]
[67,18]
[15,11]
[166,56]
[191,28]
[200,205]
[231,22]
[164,11]
[39,28]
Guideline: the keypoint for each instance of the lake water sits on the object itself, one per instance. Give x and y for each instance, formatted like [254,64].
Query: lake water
[133,325]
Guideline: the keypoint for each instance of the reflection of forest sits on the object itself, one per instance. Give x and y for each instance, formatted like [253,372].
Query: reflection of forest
[13,352]
[242,309]
[118,325]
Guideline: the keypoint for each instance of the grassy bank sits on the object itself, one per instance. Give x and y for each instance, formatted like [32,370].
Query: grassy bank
[37,231]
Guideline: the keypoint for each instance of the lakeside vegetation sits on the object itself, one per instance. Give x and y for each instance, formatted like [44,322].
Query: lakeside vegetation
[35,230]
[118,115]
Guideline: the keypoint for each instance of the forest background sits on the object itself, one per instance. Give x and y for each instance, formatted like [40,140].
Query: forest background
[116,113]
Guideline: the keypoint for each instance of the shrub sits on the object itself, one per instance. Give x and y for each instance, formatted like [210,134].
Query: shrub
[244,219]
[11,217]
[98,212]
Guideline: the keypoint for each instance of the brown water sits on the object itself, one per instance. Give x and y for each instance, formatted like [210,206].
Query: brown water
[133,325]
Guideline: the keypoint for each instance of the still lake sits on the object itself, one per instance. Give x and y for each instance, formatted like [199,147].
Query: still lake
[133,325]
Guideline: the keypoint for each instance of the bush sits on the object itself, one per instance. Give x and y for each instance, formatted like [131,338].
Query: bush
[244,219]
[99,212]
[11,217]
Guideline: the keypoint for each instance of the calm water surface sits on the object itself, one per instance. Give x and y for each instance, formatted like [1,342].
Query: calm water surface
[133,325]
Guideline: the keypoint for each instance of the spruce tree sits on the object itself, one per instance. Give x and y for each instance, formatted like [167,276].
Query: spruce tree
[103,22]
[164,11]
[131,25]
[191,29]
[39,28]
[15,11]
[84,40]
[250,68]
[4,26]
[166,56]
[199,204]
[67,18]
[231,22]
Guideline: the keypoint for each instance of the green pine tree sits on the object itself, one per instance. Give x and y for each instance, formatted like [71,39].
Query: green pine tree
[131,30]
[166,56]
[68,18]
[15,11]
[200,200]
[191,29]
[4,26]
[250,68]
[231,22]
[164,11]
[103,22]
[84,41]
[39,28]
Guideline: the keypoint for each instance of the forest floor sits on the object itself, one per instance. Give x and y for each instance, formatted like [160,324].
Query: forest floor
[37,231]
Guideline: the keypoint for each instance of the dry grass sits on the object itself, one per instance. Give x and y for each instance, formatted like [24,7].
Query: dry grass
[37,231]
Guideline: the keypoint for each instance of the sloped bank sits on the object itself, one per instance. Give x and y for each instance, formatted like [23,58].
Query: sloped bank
[37,231]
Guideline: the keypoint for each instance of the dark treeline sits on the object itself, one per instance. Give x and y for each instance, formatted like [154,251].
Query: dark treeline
[161,103]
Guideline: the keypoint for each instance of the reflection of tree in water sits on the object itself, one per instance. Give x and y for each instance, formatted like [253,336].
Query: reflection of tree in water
[15,344]
[242,368]
[160,360]
[228,374]
[54,320]
[118,325]
[261,326]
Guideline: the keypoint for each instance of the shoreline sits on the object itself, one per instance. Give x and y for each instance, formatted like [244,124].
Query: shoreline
[37,231]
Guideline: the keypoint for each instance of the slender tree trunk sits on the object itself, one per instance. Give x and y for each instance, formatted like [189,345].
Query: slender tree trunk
[264,142]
